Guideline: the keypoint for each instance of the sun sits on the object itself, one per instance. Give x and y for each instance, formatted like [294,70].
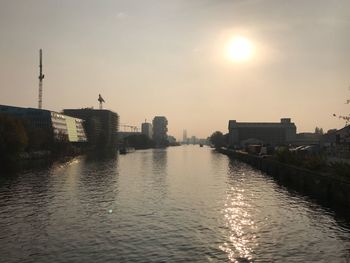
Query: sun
[239,49]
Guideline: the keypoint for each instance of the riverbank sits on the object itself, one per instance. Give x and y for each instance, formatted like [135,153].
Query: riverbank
[324,186]
[41,159]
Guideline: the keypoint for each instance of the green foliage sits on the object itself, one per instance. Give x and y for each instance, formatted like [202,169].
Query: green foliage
[313,162]
[174,144]
[346,118]
[13,140]
[283,155]
[217,139]
[318,130]
[341,169]
[38,138]
[139,141]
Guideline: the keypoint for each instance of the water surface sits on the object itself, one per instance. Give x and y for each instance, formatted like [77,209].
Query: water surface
[181,204]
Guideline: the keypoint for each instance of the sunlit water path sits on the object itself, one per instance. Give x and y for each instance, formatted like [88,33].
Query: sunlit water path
[182,204]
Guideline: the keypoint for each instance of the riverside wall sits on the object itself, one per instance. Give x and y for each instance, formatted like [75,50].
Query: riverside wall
[319,185]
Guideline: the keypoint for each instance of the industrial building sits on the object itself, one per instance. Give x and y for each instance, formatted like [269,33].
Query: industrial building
[101,125]
[273,133]
[62,127]
[147,129]
[160,129]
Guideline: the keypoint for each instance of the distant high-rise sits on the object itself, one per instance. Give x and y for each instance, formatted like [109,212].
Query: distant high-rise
[184,137]
[146,129]
[160,130]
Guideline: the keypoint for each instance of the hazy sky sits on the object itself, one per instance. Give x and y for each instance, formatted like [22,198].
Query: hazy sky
[168,58]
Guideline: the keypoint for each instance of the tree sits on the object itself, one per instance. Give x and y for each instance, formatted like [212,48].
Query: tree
[13,140]
[346,118]
[318,130]
[217,139]
[139,141]
[38,138]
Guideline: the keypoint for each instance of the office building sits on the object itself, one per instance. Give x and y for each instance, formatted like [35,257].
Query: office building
[58,125]
[160,129]
[147,129]
[101,126]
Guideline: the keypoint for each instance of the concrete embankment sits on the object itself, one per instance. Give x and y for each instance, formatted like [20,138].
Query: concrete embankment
[319,185]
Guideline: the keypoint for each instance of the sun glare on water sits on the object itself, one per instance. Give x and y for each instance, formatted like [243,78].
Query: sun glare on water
[239,49]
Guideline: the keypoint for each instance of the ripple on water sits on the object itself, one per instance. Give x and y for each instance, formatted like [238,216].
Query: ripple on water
[183,204]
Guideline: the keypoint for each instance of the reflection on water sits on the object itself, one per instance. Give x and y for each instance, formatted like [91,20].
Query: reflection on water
[181,204]
[239,221]
[159,161]
[267,223]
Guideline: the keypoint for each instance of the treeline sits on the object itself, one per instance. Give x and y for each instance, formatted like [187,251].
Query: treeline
[13,141]
[142,141]
[19,139]
[139,141]
[218,139]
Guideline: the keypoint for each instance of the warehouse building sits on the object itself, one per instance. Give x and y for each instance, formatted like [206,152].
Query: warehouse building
[273,133]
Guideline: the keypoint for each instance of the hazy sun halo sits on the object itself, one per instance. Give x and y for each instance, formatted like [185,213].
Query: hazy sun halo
[239,49]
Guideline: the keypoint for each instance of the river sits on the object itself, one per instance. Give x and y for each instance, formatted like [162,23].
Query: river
[181,204]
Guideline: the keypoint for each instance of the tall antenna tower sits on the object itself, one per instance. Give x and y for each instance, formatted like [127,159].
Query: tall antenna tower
[41,77]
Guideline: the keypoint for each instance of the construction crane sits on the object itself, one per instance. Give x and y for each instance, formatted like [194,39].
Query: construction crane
[126,127]
[41,77]
[100,100]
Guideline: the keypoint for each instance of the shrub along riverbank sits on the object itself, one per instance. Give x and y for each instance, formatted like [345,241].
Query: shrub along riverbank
[22,145]
[314,162]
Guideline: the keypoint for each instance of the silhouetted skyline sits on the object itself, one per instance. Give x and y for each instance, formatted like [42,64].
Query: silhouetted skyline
[168,58]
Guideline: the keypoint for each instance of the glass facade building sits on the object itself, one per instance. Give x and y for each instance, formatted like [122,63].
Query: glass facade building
[61,127]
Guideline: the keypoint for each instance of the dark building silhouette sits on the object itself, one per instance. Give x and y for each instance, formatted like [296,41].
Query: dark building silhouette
[160,129]
[101,126]
[54,124]
[274,133]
